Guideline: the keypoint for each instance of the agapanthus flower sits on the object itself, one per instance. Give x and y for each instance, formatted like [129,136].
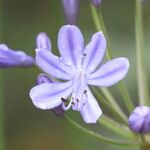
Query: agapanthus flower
[139,120]
[11,58]
[77,67]
[71,8]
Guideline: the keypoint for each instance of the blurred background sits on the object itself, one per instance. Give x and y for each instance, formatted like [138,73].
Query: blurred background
[28,128]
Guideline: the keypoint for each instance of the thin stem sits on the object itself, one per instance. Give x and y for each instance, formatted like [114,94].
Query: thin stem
[101,137]
[126,97]
[141,77]
[116,127]
[2,137]
[113,102]
[112,107]
[99,24]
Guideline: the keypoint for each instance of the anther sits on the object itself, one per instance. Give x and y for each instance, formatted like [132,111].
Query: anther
[85,91]
[63,99]
[84,54]
[78,100]
[72,103]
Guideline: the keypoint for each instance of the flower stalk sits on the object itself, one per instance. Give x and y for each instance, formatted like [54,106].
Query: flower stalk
[101,137]
[116,128]
[141,77]
[113,109]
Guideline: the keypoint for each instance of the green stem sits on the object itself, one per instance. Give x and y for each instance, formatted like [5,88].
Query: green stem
[2,141]
[141,77]
[101,137]
[113,102]
[116,127]
[125,96]
[112,107]
[100,26]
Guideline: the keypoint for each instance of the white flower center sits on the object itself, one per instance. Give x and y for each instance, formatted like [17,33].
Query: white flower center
[77,100]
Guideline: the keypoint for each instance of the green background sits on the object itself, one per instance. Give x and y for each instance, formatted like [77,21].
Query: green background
[28,128]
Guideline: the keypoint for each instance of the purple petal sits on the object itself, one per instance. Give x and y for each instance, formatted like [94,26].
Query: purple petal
[110,73]
[71,8]
[70,44]
[94,52]
[91,110]
[48,95]
[11,58]
[52,65]
[43,41]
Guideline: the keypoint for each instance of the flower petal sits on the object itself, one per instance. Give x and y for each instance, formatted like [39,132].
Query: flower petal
[48,95]
[94,52]
[110,73]
[70,44]
[91,110]
[11,58]
[52,65]
[43,41]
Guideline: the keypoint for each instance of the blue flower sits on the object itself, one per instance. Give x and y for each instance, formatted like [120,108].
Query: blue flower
[77,67]
[11,58]
[139,120]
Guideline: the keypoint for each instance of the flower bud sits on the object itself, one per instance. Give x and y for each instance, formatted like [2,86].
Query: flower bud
[43,41]
[139,120]
[96,2]
[71,8]
[11,58]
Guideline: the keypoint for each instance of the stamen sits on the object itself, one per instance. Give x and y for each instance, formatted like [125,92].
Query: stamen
[73,103]
[85,91]
[63,99]
[84,54]
[78,100]
[68,106]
